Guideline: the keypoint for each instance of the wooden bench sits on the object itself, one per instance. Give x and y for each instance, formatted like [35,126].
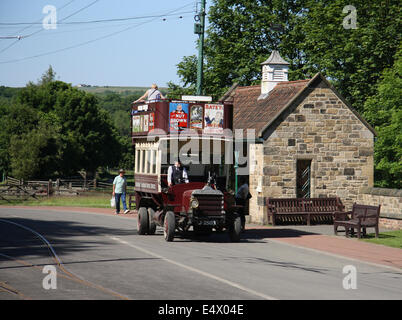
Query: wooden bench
[306,210]
[361,217]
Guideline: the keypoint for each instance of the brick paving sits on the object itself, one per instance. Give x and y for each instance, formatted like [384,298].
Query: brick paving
[320,238]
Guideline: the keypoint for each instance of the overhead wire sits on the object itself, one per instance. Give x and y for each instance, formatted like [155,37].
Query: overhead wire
[56,33]
[69,16]
[95,21]
[27,27]
[92,40]
[40,30]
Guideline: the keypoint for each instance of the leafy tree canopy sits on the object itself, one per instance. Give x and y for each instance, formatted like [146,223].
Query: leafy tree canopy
[53,128]
[242,34]
[384,111]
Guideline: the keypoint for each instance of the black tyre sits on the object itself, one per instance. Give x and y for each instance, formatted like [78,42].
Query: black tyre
[235,230]
[142,221]
[169,226]
[151,222]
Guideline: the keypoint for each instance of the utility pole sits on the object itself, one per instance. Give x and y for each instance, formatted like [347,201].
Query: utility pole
[199,28]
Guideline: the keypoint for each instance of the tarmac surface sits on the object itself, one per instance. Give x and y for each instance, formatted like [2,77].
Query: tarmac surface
[98,255]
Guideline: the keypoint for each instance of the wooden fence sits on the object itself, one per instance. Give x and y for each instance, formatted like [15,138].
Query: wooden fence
[20,189]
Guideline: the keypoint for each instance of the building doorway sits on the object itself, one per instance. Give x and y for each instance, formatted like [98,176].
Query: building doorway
[303,178]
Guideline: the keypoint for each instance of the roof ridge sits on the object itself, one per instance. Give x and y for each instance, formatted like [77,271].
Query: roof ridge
[294,81]
[253,86]
[279,83]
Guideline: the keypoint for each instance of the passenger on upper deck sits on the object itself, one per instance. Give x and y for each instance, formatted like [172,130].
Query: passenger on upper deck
[152,95]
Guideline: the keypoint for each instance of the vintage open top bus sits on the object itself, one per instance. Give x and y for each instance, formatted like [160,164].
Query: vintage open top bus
[199,134]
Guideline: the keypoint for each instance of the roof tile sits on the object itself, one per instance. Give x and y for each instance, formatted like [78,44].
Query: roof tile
[251,113]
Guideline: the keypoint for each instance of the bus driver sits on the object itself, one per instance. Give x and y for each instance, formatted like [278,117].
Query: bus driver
[177,174]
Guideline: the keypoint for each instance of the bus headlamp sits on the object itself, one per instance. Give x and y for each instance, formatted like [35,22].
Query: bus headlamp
[194,203]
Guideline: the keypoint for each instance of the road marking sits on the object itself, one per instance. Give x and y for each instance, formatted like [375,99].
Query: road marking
[61,266]
[205,274]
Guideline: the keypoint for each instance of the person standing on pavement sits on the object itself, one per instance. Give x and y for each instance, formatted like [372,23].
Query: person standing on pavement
[119,191]
[241,197]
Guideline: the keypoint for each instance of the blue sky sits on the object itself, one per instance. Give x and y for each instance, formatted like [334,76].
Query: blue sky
[143,55]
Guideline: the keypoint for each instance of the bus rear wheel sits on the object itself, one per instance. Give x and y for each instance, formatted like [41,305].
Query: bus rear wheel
[151,222]
[142,221]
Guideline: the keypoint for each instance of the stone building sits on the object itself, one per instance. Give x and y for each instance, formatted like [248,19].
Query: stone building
[309,141]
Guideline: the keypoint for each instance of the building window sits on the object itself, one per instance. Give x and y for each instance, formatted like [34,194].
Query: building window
[303,178]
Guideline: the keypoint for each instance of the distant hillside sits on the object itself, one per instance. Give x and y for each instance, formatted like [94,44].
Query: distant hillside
[120,90]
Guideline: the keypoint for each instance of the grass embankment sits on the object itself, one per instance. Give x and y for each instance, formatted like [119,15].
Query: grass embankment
[389,238]
[93,201]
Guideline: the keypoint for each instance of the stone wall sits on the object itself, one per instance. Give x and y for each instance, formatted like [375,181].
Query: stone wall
[323,129]
[390,201]
[257,209]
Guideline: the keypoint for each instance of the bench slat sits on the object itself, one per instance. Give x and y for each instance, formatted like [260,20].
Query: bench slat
[319,208]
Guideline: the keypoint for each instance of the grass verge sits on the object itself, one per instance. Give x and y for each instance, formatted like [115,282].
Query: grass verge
[390,239]
[93,201]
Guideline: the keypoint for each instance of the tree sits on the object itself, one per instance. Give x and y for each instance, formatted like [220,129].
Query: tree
[312,38]
[352,58]
[52,128]
[89,137]
[15,120]
[126,154]
[121,122]
[384,111]
[48,76]
[239,38]
[35,153]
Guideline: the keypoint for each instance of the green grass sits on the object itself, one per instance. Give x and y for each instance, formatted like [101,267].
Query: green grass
[390,238]
[93,201]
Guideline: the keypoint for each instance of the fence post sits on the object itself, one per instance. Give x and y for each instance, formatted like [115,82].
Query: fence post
[49,187]
[95,183]
[58,185]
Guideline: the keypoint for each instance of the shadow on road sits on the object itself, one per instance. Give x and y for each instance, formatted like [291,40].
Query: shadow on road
[64,236]
[274,233]
[249,236]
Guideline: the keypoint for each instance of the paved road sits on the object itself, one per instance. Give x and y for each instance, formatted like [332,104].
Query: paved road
[103,257]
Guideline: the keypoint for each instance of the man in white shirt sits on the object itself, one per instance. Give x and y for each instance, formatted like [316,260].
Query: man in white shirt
[177,174]
[119,191]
